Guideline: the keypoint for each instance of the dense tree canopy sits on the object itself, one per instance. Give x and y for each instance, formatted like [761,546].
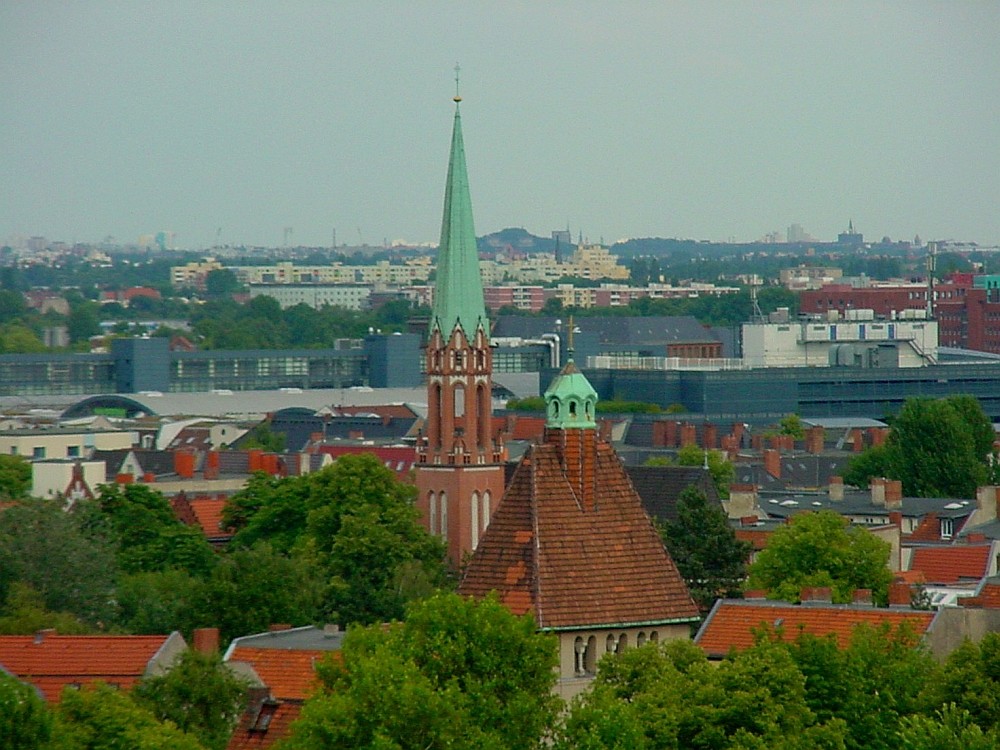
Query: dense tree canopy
[357,524]
[708,555]
[456,673]
[937,448]
[821,549]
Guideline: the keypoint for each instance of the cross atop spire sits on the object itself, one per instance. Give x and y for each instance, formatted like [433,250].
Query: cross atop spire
[458,69]
[458,291]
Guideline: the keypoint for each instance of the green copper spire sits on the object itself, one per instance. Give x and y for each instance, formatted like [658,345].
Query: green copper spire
[570,400]
[458,292]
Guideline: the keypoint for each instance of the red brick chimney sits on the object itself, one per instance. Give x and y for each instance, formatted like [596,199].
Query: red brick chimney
[772,463]
[877,487]
[814,439]
[212,465]
[184,464]
[893,494]
[672,428]
[857,440]
[816,595]
[863,597]
[900,594]
[877,435]
[205,640]
[659,434]
[689,434]
[709,436]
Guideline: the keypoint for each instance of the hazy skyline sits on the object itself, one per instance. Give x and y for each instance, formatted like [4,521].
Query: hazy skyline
[704,120]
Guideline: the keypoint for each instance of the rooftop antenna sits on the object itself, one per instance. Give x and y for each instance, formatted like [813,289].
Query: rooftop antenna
[931,268]
[458,69]
[756,315]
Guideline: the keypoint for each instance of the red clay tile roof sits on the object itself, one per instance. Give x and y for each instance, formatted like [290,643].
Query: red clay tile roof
[289,673]
[571,543]
[987,598]
[732,622]
[526,428]
[252,733]
[208,514]
[56,661]
[953,563]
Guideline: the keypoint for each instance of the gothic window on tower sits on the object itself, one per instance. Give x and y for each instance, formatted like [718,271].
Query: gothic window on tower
[474,520]
[485,515]
[444,515]
[459,364]
[459,400]
[432,511]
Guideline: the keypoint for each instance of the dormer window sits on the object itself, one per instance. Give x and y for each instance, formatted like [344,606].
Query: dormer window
[947,528]
[572,409]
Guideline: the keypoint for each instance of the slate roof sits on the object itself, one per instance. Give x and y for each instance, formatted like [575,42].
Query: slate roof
[951,564]
[732,622]
[660,486]
[798,471]
[576,555]
[50,661]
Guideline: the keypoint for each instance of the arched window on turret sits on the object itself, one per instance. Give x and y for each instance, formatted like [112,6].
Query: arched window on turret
[572,409]
[432,511]
[474,520]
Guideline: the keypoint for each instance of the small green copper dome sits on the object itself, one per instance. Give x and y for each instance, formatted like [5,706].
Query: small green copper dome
[570,400]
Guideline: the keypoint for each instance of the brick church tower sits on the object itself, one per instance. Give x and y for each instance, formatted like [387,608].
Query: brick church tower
[460,477]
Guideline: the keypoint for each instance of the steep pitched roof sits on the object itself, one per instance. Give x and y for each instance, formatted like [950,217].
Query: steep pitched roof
[732,622]
[289,673]
[50,662]
[952,563]
[458,292]
[573,562]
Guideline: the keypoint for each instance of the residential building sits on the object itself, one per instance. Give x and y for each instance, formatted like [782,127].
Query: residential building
[314,295]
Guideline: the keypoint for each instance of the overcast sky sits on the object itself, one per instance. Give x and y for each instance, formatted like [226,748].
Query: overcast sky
[705,120]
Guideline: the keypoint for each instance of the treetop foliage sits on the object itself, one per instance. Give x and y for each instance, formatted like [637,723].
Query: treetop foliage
[821,549]
[936,447]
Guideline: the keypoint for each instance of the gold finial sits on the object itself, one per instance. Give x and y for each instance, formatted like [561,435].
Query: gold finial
[458,70]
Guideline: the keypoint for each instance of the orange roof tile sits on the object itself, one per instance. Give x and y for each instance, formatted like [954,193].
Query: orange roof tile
[732,622]
[55,661]
[289,673]
[571,543]
[208,513]
[953,563]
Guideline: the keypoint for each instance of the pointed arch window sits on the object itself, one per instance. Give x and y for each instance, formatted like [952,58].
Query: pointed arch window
[485,515]
[459,396]
[474,520]
[432,511]
[444,516]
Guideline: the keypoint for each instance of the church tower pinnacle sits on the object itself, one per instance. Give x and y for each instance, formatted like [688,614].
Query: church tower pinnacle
[459,458]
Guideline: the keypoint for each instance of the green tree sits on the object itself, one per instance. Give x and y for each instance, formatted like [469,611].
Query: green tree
[712,561]
[951,729]
[791,424]
[250,589]
[158,602]
[71,567]
[719,466]
[25,722]
[150,537]
[24,613]
[103,718]
[820,549]
[83,321]
[937,448]
[456,673]
[199,694]
[221,282]
[15,477]
[357,524]
[971,681]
